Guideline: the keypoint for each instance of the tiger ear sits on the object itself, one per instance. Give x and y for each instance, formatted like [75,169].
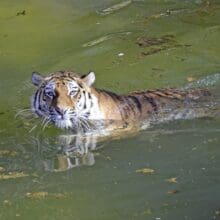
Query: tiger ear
[36,78]
[89,79]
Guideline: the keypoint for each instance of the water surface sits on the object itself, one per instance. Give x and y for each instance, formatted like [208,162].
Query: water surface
[131,45]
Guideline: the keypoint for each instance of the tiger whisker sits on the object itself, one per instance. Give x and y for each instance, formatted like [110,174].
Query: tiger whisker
[35,126]
[22,111]
[47,121]
[44,120]
[45,125]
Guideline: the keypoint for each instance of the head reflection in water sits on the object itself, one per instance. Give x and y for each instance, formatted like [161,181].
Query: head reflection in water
[74,151]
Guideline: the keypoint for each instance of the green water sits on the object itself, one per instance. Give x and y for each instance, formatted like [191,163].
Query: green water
[183,41]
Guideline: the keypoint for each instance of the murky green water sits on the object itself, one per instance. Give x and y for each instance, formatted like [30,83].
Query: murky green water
[130,45]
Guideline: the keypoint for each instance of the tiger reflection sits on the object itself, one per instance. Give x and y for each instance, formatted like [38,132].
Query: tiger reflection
[80,149]
[74,151]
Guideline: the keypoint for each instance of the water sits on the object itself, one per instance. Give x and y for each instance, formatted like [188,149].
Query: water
[131,45]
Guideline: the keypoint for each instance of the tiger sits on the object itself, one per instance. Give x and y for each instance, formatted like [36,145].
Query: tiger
[70,101]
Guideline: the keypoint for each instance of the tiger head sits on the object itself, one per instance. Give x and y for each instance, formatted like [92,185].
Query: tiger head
[63,98]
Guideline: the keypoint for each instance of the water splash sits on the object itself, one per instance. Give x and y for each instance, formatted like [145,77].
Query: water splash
[207,81]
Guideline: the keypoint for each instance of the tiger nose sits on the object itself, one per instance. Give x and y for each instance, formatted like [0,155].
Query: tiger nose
[60,111]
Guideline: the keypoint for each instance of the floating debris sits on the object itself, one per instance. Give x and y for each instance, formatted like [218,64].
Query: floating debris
[21,13]
[153,41]
[105,38]
[115,7]
[174,191]
[7,202]
[170,12]
[10,153]
[121,54]
[37,195]
[108,158]
[153,51]
[2,169]
[190,79]
[156,44]
[13,175]
[147,211]
[97,41]
[217,212]
[145,170]
[43,194]
[172,180]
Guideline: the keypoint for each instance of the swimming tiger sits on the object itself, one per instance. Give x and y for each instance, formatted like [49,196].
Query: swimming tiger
[70,101]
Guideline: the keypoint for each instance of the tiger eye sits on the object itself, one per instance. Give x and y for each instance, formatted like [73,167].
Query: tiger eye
[49,94]
[73,93]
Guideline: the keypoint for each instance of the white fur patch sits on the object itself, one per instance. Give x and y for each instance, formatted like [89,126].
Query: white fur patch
[63,123]
[95,113]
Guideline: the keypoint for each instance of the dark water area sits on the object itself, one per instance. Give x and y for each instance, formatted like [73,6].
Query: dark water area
[168,171]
